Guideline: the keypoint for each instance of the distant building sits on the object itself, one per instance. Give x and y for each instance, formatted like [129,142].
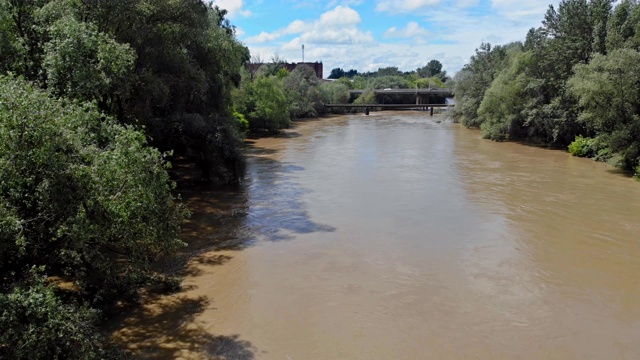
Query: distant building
[316,66]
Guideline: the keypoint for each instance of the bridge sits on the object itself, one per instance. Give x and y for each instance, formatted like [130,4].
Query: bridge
[367,107]
[422,96]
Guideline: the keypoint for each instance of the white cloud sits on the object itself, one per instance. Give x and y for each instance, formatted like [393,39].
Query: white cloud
[337,26]
[422,6]
[233,7]
[263,37]
[521,9]
[333,3]
[396,6]
[341,16]
[412,30]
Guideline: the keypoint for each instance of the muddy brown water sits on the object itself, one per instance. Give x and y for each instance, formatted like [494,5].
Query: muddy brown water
[400,236]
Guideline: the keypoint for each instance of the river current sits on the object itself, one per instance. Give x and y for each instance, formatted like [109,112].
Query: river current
[403,236]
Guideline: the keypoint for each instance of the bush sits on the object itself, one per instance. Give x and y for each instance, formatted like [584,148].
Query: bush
[583,147]
[242,124]
[36,324]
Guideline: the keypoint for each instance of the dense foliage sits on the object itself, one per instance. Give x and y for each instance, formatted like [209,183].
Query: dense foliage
[82,199]
[574,79]
[168,65]
[92,93]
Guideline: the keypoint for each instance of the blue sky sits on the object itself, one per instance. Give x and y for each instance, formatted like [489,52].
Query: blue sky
[368,34]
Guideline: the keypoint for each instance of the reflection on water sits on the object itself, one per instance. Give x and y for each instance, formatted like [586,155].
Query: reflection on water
[401,236]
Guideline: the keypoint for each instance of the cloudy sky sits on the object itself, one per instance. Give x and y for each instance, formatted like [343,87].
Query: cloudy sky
[369,34]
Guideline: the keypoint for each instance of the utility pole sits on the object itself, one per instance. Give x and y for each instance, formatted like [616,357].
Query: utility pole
[303,53]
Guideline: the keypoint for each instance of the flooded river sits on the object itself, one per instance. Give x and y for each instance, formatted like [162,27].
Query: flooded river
[401,236]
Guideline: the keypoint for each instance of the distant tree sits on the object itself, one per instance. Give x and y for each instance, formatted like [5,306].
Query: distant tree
[335,93]
[432,68]
[301,89]
[276,64]
[388,71]
[432,82]
[351,73]
[336,73]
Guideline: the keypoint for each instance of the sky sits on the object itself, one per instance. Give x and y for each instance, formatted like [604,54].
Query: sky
[369,34]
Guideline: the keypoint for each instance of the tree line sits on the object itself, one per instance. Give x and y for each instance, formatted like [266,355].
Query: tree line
[574,82]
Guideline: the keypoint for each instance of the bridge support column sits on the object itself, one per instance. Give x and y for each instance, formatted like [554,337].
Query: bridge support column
[366,111]
[431,111]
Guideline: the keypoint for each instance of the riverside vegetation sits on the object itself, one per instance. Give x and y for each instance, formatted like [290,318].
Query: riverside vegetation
[97,96]
[94,98]
[574,82]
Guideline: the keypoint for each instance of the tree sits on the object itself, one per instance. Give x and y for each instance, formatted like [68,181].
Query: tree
[301,88]
[160,64]
[432,68]
[336,73]
[389,71]
[335,93]
[264,104]
[474,79]
[607,89]
[501,109]
[623,27]
[81,198]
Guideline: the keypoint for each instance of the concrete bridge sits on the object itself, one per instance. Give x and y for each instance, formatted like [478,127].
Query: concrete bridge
[423,99]
[422,96]
[368,107]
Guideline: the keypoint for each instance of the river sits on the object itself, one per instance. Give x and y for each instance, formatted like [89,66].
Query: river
[403,236]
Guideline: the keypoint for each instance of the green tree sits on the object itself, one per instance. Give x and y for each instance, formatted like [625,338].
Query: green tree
[303,95]
[623,27]
[264,104]
[336,73]
[432,69]
[335,93]
[474,79]
[389,71]
[607,89]
[501,109]
[82,199]
[168,65]
[91,201]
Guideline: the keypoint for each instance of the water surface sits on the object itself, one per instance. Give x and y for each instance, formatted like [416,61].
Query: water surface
[403,236]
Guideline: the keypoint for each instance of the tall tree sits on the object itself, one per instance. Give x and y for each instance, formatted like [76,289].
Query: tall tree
[608,90]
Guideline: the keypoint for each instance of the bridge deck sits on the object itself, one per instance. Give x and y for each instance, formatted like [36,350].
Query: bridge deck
[388,106]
